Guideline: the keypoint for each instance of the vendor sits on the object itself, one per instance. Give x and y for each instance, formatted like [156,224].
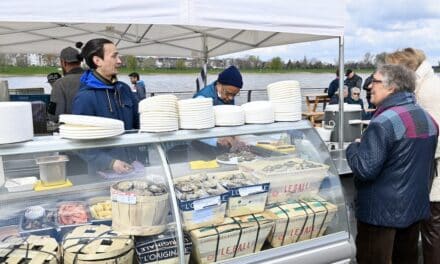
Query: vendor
[225,88]
[101,94]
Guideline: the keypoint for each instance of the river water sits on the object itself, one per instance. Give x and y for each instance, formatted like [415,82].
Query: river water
[310,82]
[186,82]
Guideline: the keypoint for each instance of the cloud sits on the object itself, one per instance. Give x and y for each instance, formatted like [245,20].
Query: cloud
[373,26]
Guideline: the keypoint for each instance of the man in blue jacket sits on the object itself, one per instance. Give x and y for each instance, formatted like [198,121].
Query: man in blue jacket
[392,166]
[225,88]
[101,94]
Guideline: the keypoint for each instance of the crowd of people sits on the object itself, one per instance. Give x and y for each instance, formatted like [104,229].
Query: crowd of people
[395,163]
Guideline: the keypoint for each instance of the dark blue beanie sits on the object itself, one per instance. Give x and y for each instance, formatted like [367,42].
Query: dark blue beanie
[231,76]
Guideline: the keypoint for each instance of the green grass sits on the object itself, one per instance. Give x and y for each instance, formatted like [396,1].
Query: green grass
[37,70]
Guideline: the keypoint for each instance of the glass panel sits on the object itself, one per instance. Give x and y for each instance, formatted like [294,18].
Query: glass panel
[304,191]
[81,180]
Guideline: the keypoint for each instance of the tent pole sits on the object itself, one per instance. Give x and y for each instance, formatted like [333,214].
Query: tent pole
[341,93]
[205,59]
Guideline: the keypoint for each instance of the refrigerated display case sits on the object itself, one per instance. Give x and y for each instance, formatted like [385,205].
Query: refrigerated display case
[283,168]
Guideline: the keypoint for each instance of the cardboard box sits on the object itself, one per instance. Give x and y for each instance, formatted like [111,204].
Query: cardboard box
[299,221]
[236,236]
[161,249]
[201,212]
[301,179]
[245,200]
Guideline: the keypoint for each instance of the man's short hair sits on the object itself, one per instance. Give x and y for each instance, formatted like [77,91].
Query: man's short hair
[135,75]
[70,55]
[398,77]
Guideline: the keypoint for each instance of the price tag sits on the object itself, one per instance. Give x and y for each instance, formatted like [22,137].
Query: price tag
[200,204]
[245,191]
[120,197]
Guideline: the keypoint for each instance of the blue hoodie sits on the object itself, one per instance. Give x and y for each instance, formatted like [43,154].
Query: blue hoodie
[97,97]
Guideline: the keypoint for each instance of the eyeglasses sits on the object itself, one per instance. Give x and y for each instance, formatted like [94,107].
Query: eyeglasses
[376,81]
[356,94]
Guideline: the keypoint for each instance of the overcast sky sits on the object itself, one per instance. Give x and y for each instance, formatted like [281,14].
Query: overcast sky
[373,26]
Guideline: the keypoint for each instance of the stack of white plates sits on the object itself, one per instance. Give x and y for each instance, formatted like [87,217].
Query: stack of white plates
[89,127]
[228,115]
[197,113]
[159,113]
[286,99]
[259,112]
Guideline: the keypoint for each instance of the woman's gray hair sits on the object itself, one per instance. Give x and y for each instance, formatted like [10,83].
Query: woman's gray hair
[398,77]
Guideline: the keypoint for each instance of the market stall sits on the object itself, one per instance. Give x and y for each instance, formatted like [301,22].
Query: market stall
[191,29]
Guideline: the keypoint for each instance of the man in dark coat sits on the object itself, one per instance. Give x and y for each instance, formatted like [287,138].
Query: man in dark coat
[352,80]
[392,166]
[65,89]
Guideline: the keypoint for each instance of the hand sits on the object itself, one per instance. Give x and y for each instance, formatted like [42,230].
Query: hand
[121,167]
[226,141]
[357,140]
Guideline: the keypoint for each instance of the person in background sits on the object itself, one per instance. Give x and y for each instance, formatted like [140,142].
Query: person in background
[427,93]
[138,86]
[65,89]
[52,78]
[335,97]
[225,88]
[367,88]
[392,166]
[352,80]
[101,94]
[333,88]
[355,97]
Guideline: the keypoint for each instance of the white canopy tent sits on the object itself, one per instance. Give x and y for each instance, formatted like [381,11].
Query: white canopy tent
[186,28]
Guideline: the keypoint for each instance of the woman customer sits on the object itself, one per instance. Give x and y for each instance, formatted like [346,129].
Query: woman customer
[428,96]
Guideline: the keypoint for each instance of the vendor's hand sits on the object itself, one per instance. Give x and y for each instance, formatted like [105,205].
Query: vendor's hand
[121,167]
[226,141]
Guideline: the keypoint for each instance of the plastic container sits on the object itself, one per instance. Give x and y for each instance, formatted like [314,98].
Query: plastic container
[100,210]
[52,169]
[65,220]
[43,226]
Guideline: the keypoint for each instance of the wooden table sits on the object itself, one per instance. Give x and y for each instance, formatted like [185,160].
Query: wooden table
[312,102]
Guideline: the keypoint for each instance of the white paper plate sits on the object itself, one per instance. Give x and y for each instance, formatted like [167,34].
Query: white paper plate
[94,121]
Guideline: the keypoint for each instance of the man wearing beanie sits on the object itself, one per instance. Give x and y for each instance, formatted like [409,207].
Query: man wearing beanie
[227,86]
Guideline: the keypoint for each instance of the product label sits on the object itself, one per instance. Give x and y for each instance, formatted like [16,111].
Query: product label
[203,203]
[121,197]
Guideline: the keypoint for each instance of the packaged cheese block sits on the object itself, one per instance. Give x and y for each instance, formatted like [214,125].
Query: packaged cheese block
[235,237]
[33,249]
[97,244]
[247,194]
[299,221]
[201,200]
[161,249]
[289,178]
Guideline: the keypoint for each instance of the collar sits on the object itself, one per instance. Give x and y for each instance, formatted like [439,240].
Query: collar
[397,99]
[103,79]
[76,70]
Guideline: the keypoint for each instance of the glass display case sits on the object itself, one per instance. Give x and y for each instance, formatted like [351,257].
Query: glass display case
[255,193]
